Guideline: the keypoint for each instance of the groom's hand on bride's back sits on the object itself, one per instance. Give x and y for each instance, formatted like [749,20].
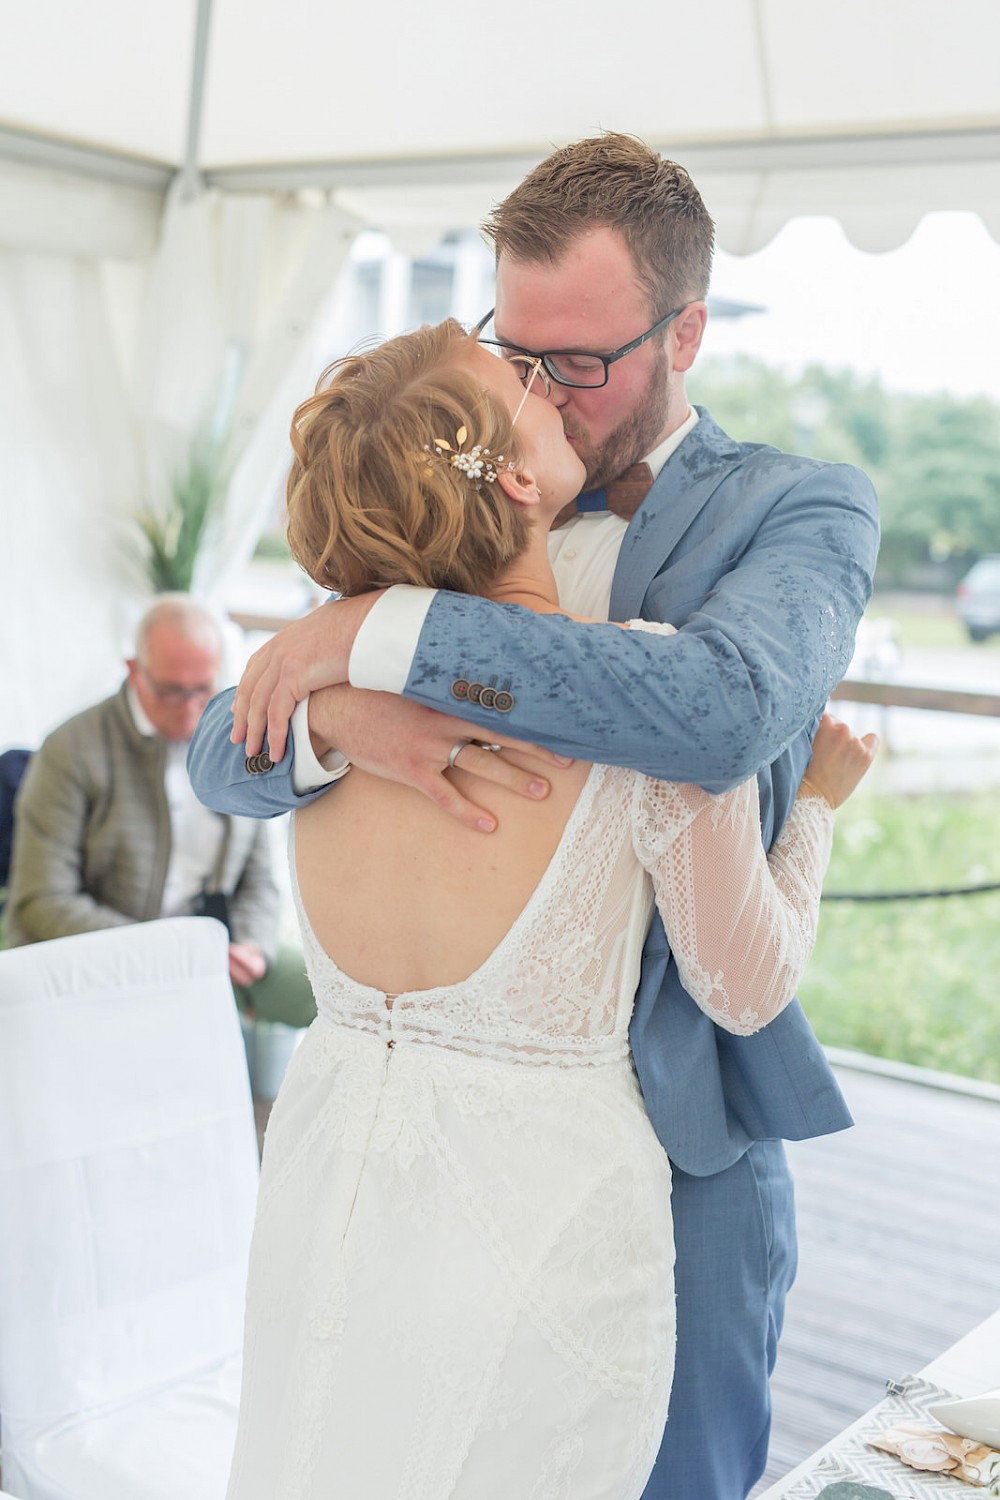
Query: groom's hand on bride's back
[403,741]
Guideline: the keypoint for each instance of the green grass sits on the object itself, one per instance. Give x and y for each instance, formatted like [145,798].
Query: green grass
[912,980]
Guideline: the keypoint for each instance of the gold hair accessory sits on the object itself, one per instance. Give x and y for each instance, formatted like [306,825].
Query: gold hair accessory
[478,464]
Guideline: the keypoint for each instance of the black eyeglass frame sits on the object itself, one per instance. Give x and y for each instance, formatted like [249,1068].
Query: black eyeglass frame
[606,359]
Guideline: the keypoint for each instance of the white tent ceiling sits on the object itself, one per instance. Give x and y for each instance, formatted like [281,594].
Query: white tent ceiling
[418,117]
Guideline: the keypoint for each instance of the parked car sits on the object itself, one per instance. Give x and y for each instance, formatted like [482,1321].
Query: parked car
[977,598]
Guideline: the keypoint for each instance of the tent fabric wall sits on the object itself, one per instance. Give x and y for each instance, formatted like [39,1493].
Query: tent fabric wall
[70,465]
[99,401]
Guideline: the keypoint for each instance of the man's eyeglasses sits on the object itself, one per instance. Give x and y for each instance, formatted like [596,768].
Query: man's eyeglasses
[175,696]
[573,367]
[526,367]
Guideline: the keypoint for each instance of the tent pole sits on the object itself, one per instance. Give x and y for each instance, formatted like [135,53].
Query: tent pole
[190,177]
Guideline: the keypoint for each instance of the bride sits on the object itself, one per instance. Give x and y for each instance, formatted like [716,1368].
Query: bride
[461,1277]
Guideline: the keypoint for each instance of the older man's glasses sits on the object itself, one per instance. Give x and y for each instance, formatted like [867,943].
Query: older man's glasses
[572,367]
[175,696]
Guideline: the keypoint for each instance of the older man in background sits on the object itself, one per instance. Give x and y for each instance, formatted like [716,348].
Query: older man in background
[108,831]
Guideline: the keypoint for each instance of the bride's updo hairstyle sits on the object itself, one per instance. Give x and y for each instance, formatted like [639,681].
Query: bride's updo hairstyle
[374,497]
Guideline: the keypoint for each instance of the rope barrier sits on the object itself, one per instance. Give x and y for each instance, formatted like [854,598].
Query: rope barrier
[958,890]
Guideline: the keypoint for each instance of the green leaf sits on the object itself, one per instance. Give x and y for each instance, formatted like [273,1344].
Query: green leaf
[173,535]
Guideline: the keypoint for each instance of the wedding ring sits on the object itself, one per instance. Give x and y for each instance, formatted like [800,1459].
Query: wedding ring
[455,751]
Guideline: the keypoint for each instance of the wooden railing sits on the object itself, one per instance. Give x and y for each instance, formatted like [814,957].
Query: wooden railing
[899,695]
[247,621]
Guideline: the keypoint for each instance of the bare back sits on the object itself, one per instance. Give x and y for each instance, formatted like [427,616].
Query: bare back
[401,895]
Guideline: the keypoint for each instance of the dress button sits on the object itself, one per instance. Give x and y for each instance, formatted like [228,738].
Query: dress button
[570,554]
[460,687]
[391,1043]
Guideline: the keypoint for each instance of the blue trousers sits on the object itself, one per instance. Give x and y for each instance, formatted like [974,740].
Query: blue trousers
[736,1258]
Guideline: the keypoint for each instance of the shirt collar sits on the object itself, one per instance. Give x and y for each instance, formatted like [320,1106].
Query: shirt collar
[670,444]
[140,718]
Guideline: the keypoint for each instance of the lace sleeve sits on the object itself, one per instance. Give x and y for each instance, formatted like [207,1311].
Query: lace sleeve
[741,924]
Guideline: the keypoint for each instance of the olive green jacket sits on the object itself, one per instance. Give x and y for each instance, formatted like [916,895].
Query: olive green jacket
[92,838]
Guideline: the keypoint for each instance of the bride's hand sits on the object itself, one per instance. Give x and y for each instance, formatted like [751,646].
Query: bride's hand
[406,742]
[839,760]
[308,654]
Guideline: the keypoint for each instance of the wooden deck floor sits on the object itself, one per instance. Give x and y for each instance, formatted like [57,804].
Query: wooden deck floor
[899,1252]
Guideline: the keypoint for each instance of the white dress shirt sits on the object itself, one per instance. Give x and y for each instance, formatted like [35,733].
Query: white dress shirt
[584,552]
[196,833]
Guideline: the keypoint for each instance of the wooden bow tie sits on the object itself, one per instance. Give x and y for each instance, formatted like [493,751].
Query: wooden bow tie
[623,495]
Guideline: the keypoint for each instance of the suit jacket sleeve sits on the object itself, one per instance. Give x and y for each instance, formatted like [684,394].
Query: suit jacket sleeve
[754,661]
[755,658]
[218,769]
[47,899]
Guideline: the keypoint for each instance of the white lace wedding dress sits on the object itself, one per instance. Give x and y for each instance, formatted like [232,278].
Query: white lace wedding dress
[461,1279]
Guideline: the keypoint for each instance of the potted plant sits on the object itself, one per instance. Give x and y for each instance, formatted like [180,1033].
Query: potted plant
[174,533]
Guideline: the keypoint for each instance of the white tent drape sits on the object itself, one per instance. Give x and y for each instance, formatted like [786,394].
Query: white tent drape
[70,468]
[232,296]
[101,395]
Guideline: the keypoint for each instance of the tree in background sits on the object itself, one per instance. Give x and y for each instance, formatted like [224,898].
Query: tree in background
[935,460]
[941,494]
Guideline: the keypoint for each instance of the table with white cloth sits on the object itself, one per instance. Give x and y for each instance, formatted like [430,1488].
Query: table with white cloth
[969,1367]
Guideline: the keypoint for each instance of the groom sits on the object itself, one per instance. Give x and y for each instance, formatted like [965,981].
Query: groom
[764,561]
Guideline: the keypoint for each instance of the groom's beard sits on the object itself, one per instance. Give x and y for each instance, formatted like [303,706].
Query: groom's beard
[633,438]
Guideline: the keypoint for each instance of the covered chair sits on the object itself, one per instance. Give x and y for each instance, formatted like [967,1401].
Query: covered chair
[128,1176]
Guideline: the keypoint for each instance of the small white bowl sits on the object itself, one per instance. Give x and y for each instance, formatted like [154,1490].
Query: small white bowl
[977,1417]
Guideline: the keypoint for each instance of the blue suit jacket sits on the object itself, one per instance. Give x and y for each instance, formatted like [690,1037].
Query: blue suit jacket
[764,561]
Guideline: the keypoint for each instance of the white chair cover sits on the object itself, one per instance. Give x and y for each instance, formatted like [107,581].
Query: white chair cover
[128,1175]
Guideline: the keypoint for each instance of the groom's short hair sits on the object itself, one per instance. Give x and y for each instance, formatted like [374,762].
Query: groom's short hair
[617,181]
